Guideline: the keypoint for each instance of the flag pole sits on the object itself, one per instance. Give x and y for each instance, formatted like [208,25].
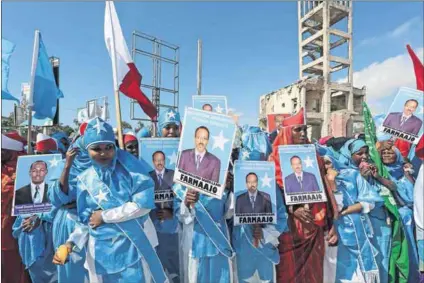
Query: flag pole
[116,86]
[31,89]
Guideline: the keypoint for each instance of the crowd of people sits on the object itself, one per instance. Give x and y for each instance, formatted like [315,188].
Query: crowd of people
[104,225]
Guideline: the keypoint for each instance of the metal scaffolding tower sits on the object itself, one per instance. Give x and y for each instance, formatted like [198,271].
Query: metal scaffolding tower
[158,47]
[318,37]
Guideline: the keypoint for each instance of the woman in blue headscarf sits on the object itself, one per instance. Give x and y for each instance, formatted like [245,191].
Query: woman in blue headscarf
[356,254]
[169,124]
[258,260]
[63,194]
[114,198]
[401,175]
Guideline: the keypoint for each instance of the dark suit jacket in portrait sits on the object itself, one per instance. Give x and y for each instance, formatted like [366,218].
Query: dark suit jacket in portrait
[262,203]
[209,166]
[410,126]
[23,195]
[168,177]
[309,183]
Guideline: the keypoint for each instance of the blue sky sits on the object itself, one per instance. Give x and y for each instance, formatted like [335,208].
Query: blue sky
[249,48]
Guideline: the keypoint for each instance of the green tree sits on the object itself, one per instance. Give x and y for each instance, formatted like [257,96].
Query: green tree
[126,125]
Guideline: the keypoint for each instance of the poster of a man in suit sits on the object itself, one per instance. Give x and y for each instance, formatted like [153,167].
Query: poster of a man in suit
[302,182]
[255,192]
[32,183]
[212,103]
[204,151]
[162,177]
[405,116]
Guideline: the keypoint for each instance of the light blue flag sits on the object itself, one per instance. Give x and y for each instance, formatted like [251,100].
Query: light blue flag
[6,51]
[46,92]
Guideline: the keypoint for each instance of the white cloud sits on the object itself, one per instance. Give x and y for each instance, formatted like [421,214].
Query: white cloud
[382,79]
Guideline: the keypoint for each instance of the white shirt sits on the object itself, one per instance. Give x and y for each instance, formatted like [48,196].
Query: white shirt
[40,195]
[253,195]
[160,172]
[299,175]
[405,117]
[196,153]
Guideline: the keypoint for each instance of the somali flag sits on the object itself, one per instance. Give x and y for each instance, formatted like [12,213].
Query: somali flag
[44,90]
[6,51]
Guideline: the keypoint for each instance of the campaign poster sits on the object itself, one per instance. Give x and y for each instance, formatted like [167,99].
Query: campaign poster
[274,121]
[212,103]
[301,175]
[161,155]
[32,183]
[255,193]
[404,119]
[204,151]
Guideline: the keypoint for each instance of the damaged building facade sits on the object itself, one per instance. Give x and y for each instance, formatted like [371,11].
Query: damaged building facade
[325,86]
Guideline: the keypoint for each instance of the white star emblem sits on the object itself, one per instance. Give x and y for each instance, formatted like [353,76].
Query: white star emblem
[170,114]
[255,278]
[54,162]
[245,155]
[422,110]
[172,158]
[309,162]
[219,141]
[219,109]
[101,196]
[100,126]
[266,181]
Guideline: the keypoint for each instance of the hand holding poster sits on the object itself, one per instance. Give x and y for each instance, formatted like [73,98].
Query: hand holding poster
[31,185]
[161,155]
[204,151]
[212,103]
[301,176]
[405,116]
[255,193]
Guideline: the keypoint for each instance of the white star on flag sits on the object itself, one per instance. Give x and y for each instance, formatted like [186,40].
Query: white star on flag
[54,162]
[309,162]
[219,109]
[100,126]
[171,114]
[255,278]
[245,154]
[101,196]
[266,181]
[172,158]
[422,110]
[219,141]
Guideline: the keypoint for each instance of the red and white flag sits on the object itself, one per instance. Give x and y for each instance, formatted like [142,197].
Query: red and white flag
[126,77]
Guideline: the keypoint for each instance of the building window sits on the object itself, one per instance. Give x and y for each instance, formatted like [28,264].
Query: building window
[284,105]
[294,101]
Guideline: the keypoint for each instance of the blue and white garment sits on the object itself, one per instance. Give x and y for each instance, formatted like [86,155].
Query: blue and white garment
[122,248]
[58,136]
[66,219]
[258,263]
[167,117]
[356,254]
[36,248]
[419,215]
[143,133]
[405,190]
[206,252]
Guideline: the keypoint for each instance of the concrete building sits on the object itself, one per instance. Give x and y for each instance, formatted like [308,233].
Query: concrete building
[334,106]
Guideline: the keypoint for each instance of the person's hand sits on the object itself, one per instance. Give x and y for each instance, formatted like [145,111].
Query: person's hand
[30,223]
[303,214]
[257,232]
[191,198]
[331,174]
[164,214]
[61,255]
[365,169]
[374,171]
[332,237]
[70,155]
[96,219]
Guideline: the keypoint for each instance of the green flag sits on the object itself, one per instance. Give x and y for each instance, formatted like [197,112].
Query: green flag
[399,260]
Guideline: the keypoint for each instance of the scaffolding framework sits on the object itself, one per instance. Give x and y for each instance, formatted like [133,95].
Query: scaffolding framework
[157,59]
[318,36]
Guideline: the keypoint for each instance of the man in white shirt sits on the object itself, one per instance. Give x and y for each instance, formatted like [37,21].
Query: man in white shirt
[36,191]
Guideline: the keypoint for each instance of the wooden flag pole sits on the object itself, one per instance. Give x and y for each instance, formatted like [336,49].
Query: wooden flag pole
[118,119]
[29,134]
[31,90]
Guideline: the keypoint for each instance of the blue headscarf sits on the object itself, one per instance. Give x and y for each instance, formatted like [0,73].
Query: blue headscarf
[143,133]
[396,169]
[349,148]
[58,137]
[255,144]
[98,131]
[169,116]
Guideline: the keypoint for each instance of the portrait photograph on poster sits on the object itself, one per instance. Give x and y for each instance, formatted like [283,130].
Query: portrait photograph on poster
[274,121]
[404,119]
[212,103]
[254,193]
[204,151]
[301,176]
[161,155]
[32,183]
